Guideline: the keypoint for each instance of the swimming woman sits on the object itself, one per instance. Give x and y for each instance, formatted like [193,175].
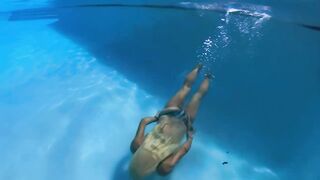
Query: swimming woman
[162,148]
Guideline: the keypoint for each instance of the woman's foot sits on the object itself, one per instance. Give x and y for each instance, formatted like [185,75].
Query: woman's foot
[199,66]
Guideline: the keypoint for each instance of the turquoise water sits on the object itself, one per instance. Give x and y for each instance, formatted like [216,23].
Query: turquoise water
[75,82]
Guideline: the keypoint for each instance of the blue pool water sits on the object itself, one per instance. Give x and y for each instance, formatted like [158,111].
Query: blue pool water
[75,82]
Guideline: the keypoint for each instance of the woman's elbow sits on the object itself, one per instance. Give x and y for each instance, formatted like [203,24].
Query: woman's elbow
[165,169]
[135,144]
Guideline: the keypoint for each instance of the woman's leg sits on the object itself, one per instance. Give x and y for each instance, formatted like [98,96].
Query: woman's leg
[194,104]
[178,98]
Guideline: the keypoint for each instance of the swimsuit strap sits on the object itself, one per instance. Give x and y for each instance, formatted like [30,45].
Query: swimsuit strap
[176,112]
[183,115]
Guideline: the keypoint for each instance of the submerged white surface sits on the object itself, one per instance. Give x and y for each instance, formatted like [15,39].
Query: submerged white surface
[64,115]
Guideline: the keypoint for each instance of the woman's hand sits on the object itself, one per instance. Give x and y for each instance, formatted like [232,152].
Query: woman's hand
[167,110]
[190,133]
[148,120]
